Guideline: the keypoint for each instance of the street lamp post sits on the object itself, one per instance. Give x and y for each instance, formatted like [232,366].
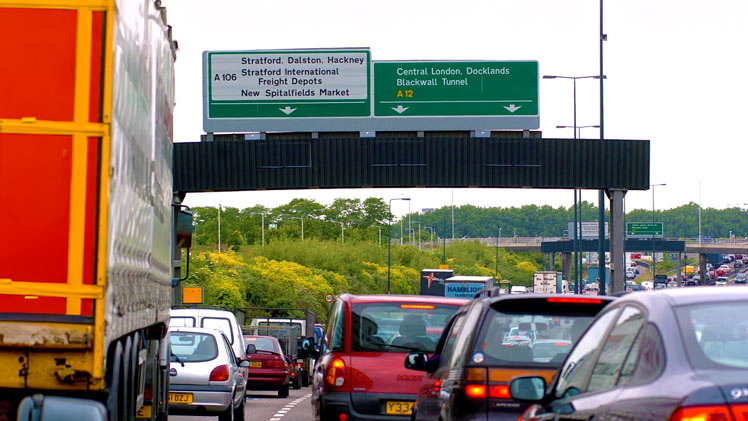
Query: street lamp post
[431,236]
[498,240]
[654,257]
[302,225]
[389,240]
[577,211]
[263,225]
[219,227]
[579,129]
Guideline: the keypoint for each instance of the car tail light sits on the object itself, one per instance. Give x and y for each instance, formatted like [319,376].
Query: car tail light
[499,391]
[475,390]
[702,413]
[298,365]
[278,363]
[336,373]
[148,392]
[740,412]
[220,373]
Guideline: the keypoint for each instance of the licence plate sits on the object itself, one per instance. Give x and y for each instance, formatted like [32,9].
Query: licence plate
[399,408]
[144,412]
[180,397]
[255,364]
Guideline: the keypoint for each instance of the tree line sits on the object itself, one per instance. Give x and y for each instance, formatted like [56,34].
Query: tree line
[354,220]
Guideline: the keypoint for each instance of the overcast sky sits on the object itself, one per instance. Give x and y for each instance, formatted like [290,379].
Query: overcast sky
[677,75]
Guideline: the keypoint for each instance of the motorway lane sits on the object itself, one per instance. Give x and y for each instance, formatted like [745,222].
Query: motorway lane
[266,406]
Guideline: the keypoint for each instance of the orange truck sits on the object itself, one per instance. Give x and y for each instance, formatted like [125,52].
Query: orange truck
[86,214]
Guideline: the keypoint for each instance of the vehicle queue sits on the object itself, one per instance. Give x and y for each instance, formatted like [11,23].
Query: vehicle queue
[665,354]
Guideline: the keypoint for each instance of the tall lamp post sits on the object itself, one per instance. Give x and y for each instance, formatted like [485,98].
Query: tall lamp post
[389,241]
[654,258]
[196,224]
[302,225]
[431,236]
[577,211]
[219,227]
[263,225]
[498,240]
[579,129]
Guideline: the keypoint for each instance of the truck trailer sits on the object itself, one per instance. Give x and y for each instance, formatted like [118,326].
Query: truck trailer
[87,216]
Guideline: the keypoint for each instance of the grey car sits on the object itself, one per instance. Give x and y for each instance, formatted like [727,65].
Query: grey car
[673,354]
[205,375]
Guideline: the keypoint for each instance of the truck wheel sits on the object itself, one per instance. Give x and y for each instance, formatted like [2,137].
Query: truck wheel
[283,391]
[304,379]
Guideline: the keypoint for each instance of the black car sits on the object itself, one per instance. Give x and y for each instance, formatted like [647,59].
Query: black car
[673,354]
[489,341]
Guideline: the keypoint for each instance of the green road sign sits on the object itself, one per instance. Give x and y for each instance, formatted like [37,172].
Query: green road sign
[456,88]
[644,229]
[287,84]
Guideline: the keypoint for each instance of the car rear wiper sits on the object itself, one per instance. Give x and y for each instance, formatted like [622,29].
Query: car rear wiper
[177,358]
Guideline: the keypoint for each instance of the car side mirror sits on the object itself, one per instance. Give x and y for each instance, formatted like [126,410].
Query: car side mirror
[416,361]
[527,389]
[307,348]
[40,407]
[244,364]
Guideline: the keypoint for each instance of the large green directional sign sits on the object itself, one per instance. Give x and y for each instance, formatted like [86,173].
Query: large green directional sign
[644,229]
[456,88]
[288,84]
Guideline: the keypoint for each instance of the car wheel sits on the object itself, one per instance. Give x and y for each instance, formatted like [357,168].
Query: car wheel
[304,378]
[227,415]
[239,412]
[283,391]
[297,383]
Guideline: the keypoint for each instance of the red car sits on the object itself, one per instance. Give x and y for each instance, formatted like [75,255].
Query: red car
[360,372]
[268,368]
[721,272]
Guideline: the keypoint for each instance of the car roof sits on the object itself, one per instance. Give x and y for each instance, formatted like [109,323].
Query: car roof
[201,312]
[416,299]
[214,332]
[688,296]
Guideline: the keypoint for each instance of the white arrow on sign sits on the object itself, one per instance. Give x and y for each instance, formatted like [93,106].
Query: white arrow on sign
[288,110]
[400,109]
[512,108]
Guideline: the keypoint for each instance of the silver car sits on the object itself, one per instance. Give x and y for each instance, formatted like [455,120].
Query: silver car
[205,374]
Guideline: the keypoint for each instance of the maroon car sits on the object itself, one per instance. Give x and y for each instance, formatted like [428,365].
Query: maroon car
[268,368]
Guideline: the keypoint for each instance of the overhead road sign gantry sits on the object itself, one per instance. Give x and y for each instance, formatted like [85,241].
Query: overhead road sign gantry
[285,90]
[457,94]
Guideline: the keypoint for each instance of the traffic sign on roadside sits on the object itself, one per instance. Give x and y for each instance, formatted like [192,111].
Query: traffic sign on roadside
[456,88]
[329,298]
[644,229]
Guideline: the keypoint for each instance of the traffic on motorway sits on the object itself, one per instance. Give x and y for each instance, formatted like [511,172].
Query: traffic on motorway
[662,354]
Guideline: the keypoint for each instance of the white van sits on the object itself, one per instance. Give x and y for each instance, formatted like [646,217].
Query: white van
[222,320]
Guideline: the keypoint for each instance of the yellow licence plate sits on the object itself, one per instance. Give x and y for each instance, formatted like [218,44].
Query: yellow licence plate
[180,397]
[144,412]
[255,364]
[399,408]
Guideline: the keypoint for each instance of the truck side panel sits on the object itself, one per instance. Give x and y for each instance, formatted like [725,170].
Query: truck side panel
[85,171]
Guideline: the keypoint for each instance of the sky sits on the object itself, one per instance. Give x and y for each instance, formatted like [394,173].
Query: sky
[677,75]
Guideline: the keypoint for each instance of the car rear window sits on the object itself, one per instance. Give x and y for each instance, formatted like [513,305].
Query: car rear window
[533,332]
[181,322]
[262,344]
[716,334]
[398,327]
[193,347]
[219,323]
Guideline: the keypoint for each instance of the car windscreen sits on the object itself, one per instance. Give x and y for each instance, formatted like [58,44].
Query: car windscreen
[716,334]
[398,327]
[192,347]
[533,332]
[262,344]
